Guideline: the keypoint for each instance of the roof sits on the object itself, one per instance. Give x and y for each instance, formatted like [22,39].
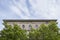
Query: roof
[29,20]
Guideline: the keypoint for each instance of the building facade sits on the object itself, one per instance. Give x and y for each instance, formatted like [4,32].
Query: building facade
[27,24]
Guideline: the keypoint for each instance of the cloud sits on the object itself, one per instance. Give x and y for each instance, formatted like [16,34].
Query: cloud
[31,8]
[20,9]
[34,8]
[28,9]
[44,7]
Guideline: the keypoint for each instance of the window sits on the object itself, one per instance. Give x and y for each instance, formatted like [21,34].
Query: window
[46,22]
[23,26]
[30,26]
[36,26]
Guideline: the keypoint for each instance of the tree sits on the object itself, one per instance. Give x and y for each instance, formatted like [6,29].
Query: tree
[53,30]
[43,29]
[44,32]
[32,35]
[13,33]
[49,32]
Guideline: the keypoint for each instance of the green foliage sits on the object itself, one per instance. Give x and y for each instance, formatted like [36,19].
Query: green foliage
[44,32]
[13,33]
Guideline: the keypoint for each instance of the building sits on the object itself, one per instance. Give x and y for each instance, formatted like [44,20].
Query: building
[27,24]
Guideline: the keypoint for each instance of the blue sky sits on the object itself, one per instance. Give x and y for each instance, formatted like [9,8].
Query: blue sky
[29,9]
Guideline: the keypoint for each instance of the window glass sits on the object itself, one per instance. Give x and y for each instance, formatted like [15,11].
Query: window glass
[23,26]
[36,26]
[30,26]
[46,22]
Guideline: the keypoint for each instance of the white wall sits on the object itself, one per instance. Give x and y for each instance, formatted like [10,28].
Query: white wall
[33,24]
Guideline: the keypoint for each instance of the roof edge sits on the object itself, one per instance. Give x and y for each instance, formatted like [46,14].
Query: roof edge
[28,20]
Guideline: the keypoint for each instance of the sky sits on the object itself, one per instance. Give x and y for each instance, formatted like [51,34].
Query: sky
[29,9]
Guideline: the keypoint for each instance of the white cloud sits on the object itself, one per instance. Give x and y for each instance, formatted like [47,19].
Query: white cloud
[16,10]
[19,7]
[45,8]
